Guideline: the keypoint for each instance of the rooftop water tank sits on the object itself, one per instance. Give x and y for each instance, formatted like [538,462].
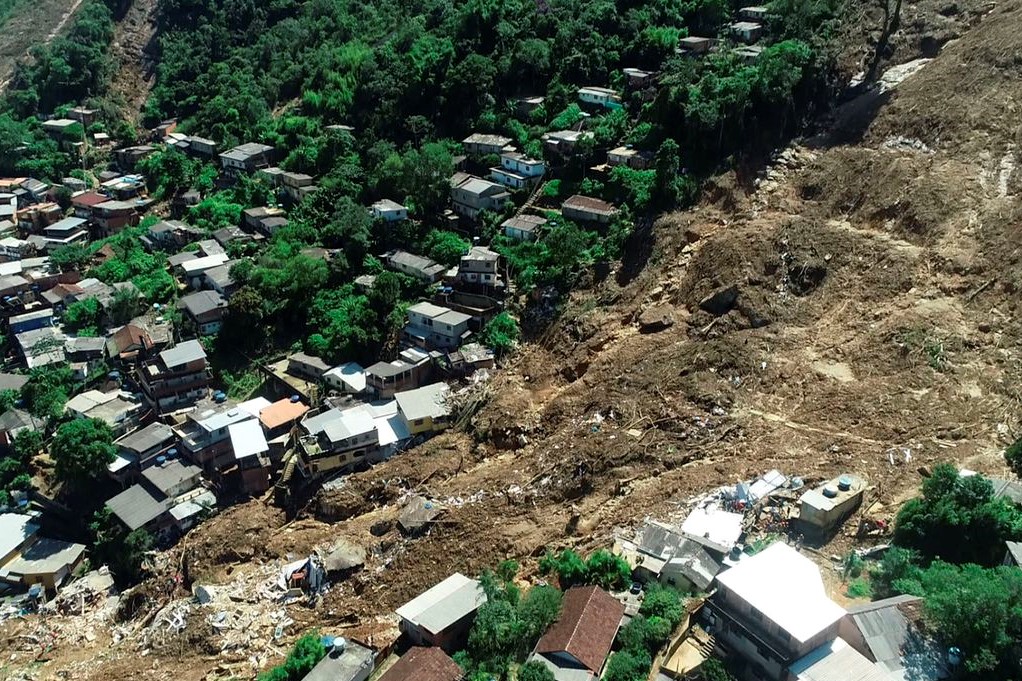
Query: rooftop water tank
[844,483]
[829,491]
[295,399]
[160,460]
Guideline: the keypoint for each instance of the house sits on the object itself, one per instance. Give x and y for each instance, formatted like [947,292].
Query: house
[85,354]
[837,660]
[695,45]
[746,31]
[14,421]
[577,645]
[219,279]
[691,567]
[137,508]
[348,378]
[480,144]
[825,507]
[564,142]
[193,271]
[342,438]
[390,211]
[245,159]
[205,434]
[1013,555]
[442,615]
[517,170]
[297,185]
[713,527]
[41,347]
[306,366]
[30,321]
[251,452]
[632,158]
[128,157]
[265,220]
[523,227]
[754,13]
[46,562]
[140,449]
[64,232]
[59,127]
[128,342]
[110,217]
[177,378]
[17,532]
[172,235]
[599,95]
[891,633]
[587,209]
[413,265]
[637,78]
[409,371]
[425,409]
[433,326]
[526,105]
[749,53]
[344,661]
[472,195]
[230,235]
[200,146]
[27,558]
[172,478]
[771,610]
[124,187]
[12,381]
[83,115]
[424,664]
[205,309]
[82,204]
[479,267]
[281,416]
[117,409]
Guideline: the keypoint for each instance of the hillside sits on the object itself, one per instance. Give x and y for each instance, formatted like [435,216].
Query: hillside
[29,24]
[849,305]
[876,288]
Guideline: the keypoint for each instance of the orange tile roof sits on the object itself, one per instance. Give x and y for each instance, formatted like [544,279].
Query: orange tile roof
[281,412]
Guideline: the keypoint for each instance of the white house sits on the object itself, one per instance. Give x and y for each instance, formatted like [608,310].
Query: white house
[435,326]
[523,227]
[517,170]
[599,95]
[388,210]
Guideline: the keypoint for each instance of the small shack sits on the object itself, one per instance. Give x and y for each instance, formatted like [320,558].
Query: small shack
[823,508]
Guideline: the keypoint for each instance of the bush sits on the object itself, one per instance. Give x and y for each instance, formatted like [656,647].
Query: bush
[628,666]
[859,588]
[501,333]
[603,569]
[663,602]
[307,652]
[535,671]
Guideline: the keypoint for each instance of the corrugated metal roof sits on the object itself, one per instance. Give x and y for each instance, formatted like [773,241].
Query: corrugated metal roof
[429,401]
[444,604]
[136,506]
[837,661]
[247,439]
[183,353]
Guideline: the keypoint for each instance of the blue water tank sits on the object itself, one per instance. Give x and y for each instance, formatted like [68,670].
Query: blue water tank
[844,483]
[295,399]
[160,460]
[171,453]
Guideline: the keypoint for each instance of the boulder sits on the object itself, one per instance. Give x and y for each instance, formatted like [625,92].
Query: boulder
[656,319]
[344,556]
[721,301]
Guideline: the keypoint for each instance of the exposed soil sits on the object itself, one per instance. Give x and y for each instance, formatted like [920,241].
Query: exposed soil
[855,314]
[32,23]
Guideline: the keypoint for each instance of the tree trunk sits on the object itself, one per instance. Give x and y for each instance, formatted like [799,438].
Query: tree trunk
[892,21]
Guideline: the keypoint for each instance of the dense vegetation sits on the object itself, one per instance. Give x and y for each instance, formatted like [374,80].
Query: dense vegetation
[948,546]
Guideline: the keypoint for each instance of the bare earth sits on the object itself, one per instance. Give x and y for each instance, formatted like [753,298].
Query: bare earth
[877,270]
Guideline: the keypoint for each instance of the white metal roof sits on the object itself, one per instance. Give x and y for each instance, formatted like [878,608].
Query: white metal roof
[837,661]
[254,406]
[425,402]
[787,588]
[444,604]
[351,374]
[183,353]
[714,525]
[247,439]
[350,423]
[207,262]
[15,528]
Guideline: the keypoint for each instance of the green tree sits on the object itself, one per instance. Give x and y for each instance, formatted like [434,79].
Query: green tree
[960,507]
[8,399]
[644,635]
[48,390]
[501,333]
[81,451]
[539,609]
[124,305]
[168,171]
[83,316]
[114,546]
[445,247]
[306,654]
[606,570]
[70,258]
[569,567]
[663,602]
[535,671]
[714,670]
[27,444]
[625,665]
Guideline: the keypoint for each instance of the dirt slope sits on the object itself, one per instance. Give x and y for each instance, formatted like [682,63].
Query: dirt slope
[33,23]
[865,313]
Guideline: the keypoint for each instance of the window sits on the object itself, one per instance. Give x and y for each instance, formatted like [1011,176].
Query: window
[419,422]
